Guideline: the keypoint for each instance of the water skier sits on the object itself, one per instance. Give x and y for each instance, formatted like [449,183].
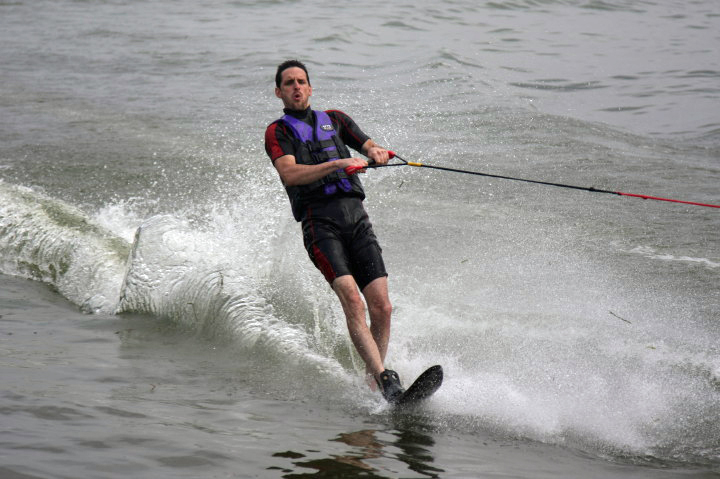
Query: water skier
[308,149]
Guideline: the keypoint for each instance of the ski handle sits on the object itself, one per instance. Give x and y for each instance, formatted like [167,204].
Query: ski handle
[351,170]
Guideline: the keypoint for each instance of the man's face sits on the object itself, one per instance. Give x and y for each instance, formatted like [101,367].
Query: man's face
[294,90]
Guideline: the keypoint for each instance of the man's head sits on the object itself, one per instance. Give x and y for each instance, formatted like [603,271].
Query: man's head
[292,85]
[290,64]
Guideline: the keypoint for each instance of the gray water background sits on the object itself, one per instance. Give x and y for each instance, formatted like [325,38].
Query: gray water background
[578,331]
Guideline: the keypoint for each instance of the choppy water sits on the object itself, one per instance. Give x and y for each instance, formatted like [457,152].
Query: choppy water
[580,328]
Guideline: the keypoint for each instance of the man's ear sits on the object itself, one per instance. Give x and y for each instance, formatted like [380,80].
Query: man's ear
[277,92]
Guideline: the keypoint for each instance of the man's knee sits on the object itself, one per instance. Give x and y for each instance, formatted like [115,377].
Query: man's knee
[356,303]
[376,295]
[380,308]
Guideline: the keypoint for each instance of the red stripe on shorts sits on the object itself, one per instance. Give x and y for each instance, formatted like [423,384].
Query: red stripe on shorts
[323,265]
[319,258]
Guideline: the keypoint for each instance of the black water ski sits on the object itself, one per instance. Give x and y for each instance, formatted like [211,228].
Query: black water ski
[423,387]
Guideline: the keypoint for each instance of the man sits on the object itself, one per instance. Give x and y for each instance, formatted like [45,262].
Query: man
[308,149]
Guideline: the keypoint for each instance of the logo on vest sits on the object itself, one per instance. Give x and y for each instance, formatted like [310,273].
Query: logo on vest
[326,127]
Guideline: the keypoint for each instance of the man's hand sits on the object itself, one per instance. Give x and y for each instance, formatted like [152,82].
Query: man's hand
[352,162]
[376,153]
[354,165]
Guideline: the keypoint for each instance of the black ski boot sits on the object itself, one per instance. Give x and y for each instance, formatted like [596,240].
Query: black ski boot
[390,386]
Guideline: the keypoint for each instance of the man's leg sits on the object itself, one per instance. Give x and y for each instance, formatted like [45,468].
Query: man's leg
[371,343]
[361,336]
[378,301]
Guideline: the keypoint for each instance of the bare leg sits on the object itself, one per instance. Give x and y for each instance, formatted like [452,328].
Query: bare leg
[378,301]
[361,336]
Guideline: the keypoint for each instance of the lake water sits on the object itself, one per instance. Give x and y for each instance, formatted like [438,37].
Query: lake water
[160,318]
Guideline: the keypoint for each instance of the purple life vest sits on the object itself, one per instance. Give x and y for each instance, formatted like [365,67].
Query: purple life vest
[322,146]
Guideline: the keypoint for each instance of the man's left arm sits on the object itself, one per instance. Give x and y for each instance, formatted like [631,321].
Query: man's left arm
[355,138]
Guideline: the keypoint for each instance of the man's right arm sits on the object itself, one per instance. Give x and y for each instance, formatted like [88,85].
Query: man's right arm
[279,148]
[294,174]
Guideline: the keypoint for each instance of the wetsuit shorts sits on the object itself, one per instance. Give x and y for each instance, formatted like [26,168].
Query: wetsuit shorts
[340,240]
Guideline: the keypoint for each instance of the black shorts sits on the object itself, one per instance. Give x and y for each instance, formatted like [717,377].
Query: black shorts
[340,240]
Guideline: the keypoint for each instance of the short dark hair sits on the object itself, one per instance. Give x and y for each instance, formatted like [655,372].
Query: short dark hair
[289,64]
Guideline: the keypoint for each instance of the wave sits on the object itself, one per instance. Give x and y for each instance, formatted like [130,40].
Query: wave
[612,6]
[177,272]
[170,271]
[48,240]
[652,253]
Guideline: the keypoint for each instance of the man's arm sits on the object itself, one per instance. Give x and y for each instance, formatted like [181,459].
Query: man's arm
[355,138]
[294,174]
[278,147]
